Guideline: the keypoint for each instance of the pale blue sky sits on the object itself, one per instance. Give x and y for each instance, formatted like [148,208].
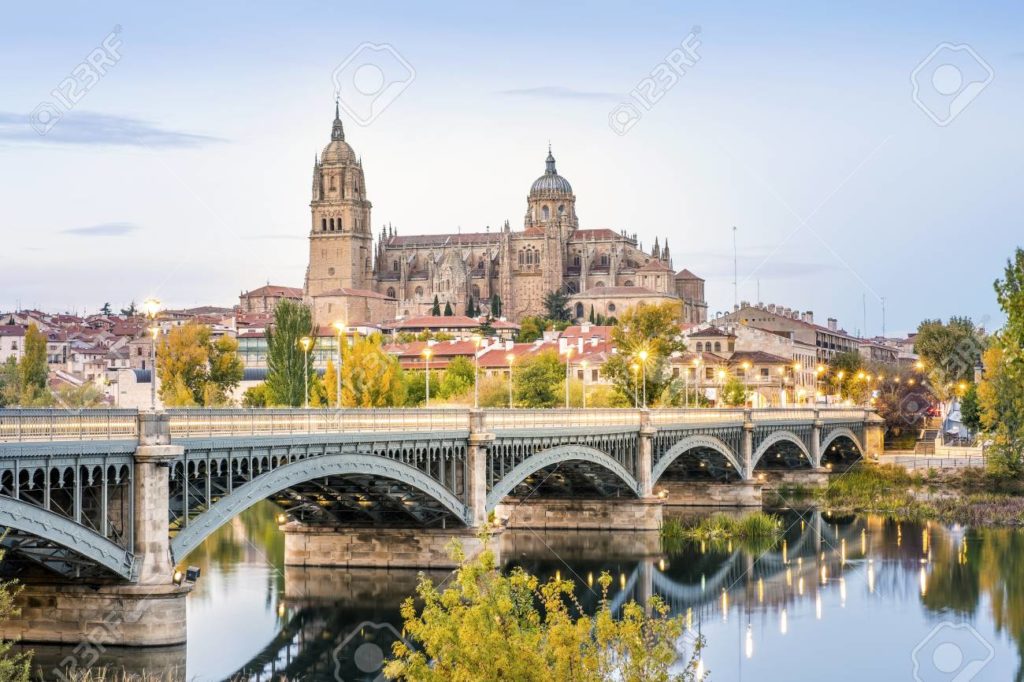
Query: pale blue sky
[185,171]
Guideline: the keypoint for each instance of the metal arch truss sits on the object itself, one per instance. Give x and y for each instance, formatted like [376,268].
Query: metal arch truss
[303,470]
[689,443]
[557,455]
[60,544]
[853,431]
[783,436]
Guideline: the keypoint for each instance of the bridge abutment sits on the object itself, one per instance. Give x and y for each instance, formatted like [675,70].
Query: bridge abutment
[874,435]
[709,494]
[377,547]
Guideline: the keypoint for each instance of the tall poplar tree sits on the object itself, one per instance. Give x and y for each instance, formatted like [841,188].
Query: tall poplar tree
[287,362]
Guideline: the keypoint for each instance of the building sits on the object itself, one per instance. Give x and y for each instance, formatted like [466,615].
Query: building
[12,342]
[266,298]
[827,341]
[351,275]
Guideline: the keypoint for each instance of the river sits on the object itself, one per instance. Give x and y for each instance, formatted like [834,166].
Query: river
[850,598]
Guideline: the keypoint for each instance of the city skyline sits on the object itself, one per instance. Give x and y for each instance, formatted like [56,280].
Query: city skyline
[186,166]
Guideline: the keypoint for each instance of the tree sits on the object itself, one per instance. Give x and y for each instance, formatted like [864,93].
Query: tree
[593,316]
[86,395]
[106,309]
[491,625]
[10,389]
[649,329]
[330,384]
[195,369]
[495,305]
[1001,394]
[531,329]
[734,392]
[256,396]
[556,305]
[14,667]
[287,362]
[435,310]
[970,409]
[370,377]
[950,352]
[538,381]
[457,379]
[448,312]
[130,311]
[33,371]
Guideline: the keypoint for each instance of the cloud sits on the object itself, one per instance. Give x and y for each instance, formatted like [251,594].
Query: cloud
[48,125]
[102,230]
[562,92]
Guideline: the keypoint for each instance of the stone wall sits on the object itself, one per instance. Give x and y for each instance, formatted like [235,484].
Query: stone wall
[808,478]
[700,494]
[613,514]
[375,547]
[127,615]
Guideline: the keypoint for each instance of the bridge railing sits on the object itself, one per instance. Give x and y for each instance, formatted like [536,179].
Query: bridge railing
[844,414]
[770,414]
[695,415]
[28,425]
[554,419]
[199,423]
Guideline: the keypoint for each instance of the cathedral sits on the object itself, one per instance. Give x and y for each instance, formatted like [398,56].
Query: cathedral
[353,278]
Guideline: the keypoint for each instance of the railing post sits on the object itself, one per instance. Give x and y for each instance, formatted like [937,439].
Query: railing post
[645,467]
[747,459]
[480,440]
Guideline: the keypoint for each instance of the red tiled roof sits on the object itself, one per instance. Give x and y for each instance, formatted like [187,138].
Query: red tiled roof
[11,330]
[757,357]
[595,233]
[275,290]
[711,332]
[686,274]
[436,322]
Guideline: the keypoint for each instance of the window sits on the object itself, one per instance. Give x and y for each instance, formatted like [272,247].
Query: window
[561,209]
[579,310]
[391,292]
[546,212]
[611,307]
[594,375]
[522,258]
[765,373]
[709,372]
[579,374]
[604,259]
[323,224]
[700,347]
[629,283]
[718,346]
[419,292]
[394,266]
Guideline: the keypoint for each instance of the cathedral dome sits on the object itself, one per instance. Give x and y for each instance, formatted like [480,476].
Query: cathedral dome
[551,181]
[337,150]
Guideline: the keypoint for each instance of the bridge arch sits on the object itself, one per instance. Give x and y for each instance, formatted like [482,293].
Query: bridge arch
[689,443]
[58,542]
[301,471]
[780,437]
[839,432]
[557,455]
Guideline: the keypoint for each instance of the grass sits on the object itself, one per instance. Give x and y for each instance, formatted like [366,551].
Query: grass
[970,497]
[756,526]
[115,675]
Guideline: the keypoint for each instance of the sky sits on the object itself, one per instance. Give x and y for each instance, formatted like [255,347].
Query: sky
[865,152]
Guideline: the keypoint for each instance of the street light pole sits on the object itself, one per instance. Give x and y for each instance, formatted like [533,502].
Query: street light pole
[511,361]
[585,364]
[307,343]
[643,366]
[636,389]
[426,355]
[568,360]
[477,340]
[340,326]
[151,307]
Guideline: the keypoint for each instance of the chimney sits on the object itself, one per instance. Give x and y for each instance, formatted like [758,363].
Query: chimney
[771,307]
[833,324]
[809,317]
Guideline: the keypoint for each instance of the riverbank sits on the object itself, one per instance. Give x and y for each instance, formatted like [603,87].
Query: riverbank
[971,497]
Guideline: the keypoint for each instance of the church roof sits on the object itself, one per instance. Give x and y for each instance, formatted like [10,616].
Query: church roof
[275,290]
[597,233]
[654,265]
[614,292]
[686,274]
[360,293]
[453,239]
[551,181]
[337,150]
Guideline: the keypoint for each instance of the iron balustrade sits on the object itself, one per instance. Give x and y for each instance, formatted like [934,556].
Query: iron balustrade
[31,425]
[46,425]
[189,423]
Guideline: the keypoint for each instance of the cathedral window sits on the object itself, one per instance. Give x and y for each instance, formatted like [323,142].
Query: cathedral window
[323,224]
[419,292]
[546,212]
[579,310]
[600,284]
[332,224]
[629,283]
[604,259]
[391,292]
[522,258]
[576,260]
[611,307]
[529,257]
[561,209]
[394,266]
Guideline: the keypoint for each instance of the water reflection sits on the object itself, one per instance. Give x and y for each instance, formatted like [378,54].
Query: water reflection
[852,597]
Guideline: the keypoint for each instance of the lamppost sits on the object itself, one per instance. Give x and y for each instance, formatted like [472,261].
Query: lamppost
[636,389]
[307,344]
[721,387]
[696,382]
[568,363]
[477,340]
[643,367]
[746,368]
[839,385]
[511,361]
[340,326]
[584,364]
[151,307]
[427,352]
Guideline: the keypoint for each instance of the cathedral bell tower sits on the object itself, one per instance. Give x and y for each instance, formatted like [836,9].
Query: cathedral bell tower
[340,238]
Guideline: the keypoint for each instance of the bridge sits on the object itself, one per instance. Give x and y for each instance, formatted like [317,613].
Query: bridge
[117,498]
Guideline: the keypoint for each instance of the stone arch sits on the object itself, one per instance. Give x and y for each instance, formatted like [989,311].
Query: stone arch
[579,311]
[282,478]
[391,292]
[838,432]
[689,443]
[557,455]
[780,437]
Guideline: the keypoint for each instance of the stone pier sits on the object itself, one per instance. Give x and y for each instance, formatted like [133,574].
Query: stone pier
[603,514]
[701,494]
[376,547]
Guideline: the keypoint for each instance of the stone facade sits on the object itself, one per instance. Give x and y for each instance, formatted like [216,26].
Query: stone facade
[401,275]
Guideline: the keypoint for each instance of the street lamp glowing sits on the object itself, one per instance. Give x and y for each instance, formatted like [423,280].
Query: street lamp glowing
[511,361]
[919,365]
[150,307]
[860,375]
[841,375]
[643,355]
[306,344]
[821,369]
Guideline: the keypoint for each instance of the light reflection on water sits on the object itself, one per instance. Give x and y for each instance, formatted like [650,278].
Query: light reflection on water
[838,598]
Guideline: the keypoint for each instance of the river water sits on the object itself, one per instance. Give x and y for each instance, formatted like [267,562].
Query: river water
[839,598]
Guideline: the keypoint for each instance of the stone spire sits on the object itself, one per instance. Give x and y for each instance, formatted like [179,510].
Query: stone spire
[549,163]
[337,131]
[656,251]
